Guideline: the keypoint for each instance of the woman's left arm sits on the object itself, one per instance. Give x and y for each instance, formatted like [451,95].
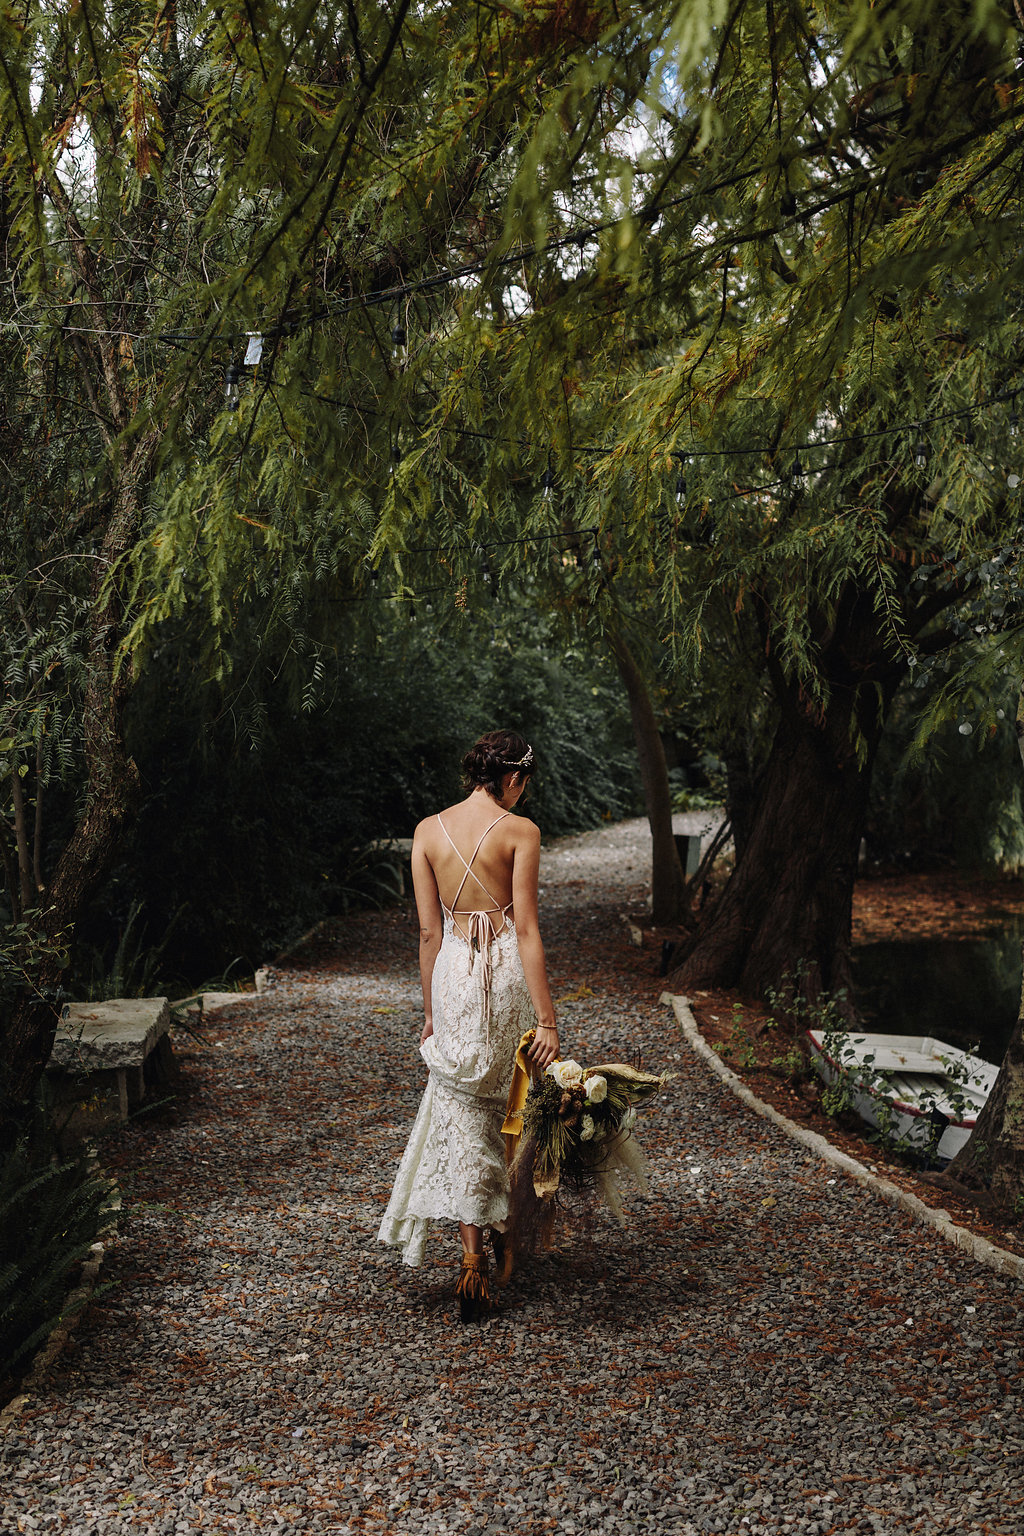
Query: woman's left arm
[525,871]
[428,908]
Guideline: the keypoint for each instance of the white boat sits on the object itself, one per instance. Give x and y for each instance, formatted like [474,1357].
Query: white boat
[918,1091]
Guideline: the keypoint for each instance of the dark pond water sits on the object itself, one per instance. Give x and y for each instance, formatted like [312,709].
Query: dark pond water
[965,991]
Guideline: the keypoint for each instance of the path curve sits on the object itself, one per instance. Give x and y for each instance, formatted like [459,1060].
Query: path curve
[767,1348]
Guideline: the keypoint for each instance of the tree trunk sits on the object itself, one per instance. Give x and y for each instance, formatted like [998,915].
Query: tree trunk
[993,1158]
[741,786]
[789,900]
[28,894]
[28,1026]
[668,883]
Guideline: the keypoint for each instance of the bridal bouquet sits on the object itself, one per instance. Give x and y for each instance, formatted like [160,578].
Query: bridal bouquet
[576,1128]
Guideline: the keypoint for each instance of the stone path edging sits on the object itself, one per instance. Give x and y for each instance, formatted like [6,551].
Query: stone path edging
[980,1248]
[74,1305]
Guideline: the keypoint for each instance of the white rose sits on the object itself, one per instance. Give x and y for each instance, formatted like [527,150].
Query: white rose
[566,1073]
[596,1089]
[587,1128]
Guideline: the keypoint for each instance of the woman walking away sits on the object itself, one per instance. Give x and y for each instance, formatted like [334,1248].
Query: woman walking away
[485,984]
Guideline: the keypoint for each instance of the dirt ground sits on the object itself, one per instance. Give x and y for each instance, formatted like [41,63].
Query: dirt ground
[918,906]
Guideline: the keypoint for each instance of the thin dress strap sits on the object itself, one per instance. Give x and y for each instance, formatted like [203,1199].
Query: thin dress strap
[480,929]
[496,907]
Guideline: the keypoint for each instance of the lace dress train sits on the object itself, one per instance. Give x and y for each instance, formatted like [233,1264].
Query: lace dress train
[453,1167]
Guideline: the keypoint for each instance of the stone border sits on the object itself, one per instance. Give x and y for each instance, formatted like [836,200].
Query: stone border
[75,1304]
[980,1248]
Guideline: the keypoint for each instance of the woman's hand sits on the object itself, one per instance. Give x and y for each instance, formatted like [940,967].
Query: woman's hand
[428,1030]
[544,1049]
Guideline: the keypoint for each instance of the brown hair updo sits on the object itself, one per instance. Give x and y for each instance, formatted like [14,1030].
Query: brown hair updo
[494,755]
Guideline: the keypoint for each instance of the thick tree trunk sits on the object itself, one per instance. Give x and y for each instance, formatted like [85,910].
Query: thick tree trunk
[668,883]
[993,1158]
[741,799]
[789,900]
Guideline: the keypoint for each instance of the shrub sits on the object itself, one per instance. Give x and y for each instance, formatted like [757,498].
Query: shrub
[50,1214]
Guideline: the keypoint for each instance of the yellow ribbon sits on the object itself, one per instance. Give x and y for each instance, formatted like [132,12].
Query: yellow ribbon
[512,1127]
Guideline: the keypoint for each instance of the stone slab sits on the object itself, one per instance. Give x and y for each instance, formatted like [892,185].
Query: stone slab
[212,1001]
[100,1037]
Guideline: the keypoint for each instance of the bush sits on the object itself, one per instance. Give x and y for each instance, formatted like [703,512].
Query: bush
[959,803]
[50,1214]
[254,828]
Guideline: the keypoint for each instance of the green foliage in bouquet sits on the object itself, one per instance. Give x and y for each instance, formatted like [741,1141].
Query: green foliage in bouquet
[574,1117]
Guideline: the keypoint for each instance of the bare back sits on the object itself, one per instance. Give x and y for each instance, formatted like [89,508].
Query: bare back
[485,837]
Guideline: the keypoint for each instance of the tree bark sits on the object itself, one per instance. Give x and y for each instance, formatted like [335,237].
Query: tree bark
[993,1158]
[789,901]
[37,828]
[668,883]
[28,1026]
[741,798]
[21,840]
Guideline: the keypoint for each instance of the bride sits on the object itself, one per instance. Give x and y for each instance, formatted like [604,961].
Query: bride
[485,983]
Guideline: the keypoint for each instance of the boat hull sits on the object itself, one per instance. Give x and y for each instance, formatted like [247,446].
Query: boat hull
[901,1086]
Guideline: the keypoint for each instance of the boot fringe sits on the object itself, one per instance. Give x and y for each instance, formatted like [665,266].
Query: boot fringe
[473,1289]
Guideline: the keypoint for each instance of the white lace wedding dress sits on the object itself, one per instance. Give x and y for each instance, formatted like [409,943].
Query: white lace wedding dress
[453,1167]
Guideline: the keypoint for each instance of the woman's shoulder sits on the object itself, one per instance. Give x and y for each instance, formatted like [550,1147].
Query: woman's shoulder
[432,826]
[523,828]
[425,828]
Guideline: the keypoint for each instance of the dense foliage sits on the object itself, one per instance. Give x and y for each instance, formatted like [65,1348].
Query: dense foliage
[242,842]
[50,1214]
[512,274]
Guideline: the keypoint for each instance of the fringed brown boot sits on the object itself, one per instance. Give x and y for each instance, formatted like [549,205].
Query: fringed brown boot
[473,1290]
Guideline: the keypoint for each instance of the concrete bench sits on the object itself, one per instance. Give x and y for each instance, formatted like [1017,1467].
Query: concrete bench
[103,1058]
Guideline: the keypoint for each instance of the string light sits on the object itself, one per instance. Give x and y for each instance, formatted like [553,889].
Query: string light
[231,379]
[920,447]
[548,483]
[399,348]
[681,483]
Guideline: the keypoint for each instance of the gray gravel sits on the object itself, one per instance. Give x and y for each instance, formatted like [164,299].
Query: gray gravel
[765,1349]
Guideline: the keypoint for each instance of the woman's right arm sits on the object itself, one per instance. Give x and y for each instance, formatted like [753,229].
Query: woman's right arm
[525,876]
[428,908]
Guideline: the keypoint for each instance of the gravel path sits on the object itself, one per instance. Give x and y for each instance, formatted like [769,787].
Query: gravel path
[765,1349]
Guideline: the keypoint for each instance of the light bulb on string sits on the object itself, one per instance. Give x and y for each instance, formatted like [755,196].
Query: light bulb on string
[920,448]
[796,474]
[548,483]
[485,568]
[231,379]
[396,459]
[681,485]
[1013,420]
[596,562]
[399,348]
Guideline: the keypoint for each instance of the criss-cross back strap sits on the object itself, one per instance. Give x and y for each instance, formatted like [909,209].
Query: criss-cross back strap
[469,866]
